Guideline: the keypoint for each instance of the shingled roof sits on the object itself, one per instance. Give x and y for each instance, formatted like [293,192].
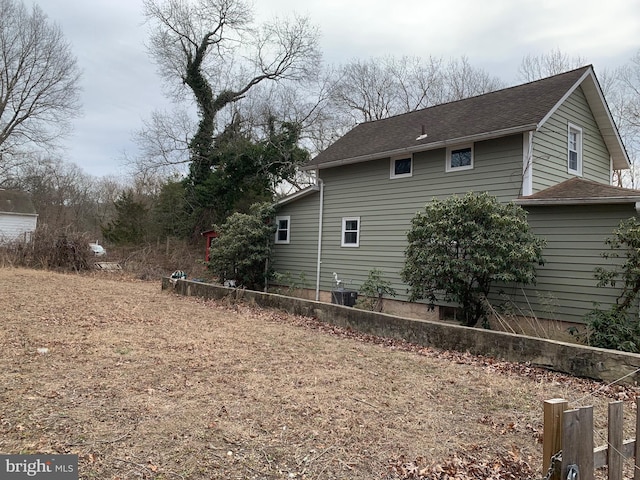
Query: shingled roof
[578,190]
[15,201]
[512,110]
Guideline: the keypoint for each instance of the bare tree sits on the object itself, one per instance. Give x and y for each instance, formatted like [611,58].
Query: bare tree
[212,48]
[380,87]
[39,81]
[164,143]
[462,80]
[420,82]
[622,91]
[367,90]
[62,193]
[535,67]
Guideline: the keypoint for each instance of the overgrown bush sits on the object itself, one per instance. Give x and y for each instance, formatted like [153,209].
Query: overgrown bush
[293,284]
[49,249]
[460,247]
[242,250]
[373,291]
[152,261]
[618,327]
[615,329]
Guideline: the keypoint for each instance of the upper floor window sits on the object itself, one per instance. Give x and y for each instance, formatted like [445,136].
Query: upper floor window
[401,166]
[574,149]
[350,232]
[459,158]
[283,229]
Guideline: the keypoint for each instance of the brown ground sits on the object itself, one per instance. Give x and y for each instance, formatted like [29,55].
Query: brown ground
[144,384]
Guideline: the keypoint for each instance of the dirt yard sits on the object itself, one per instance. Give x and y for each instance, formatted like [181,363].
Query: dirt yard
[145,384]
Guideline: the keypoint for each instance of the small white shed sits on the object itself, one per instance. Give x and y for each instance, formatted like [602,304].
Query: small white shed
[18,216]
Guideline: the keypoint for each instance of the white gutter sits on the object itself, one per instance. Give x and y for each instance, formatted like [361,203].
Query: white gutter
[299,194]
[425,147]
[320,214]
[527,169]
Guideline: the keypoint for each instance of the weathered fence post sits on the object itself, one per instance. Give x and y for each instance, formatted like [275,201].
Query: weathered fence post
[571,433]
[552,433]
[636,447]
[577,442]
[614,451]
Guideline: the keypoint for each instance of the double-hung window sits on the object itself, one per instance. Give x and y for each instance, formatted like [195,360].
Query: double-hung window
[283,229]
[459,158]
[350,232]
[574,150]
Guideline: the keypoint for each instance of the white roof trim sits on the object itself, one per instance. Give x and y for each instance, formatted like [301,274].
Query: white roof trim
[602,116]
[299,194]
[563,99]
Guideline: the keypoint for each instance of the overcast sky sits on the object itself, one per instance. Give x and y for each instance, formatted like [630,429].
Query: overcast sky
[121,87]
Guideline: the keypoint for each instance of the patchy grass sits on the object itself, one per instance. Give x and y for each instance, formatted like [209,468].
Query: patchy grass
[145,384]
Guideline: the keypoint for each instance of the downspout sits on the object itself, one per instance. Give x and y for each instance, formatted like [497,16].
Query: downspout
[320,214]
[527,172]
[637,207]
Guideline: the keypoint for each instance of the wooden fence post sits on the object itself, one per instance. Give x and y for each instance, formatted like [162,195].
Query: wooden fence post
[614,451]
[636,447]
[552,433]
[577,441]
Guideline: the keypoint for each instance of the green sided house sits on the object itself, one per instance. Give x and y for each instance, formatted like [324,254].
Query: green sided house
[549,145]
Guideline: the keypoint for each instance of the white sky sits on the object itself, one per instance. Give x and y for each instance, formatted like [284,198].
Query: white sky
[121,87]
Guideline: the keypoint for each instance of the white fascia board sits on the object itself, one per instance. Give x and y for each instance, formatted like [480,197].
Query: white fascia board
[607,125]
[299,194]
[567,94]
[602,115]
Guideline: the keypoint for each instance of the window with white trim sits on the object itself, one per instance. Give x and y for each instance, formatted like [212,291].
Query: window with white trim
[459,158]
[283,229]
[350,232]
[574,149]
[401,166]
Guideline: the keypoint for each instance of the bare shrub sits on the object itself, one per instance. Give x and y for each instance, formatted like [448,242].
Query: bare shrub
[155,260]
[49,250]
[59,250]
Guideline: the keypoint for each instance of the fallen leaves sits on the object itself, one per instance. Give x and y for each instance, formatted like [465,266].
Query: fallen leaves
[462,466]
[538,374]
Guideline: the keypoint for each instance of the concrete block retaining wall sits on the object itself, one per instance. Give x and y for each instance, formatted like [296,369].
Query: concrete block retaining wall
[578,360]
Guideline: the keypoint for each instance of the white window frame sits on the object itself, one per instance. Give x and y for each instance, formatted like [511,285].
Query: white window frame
[571,129]
[392,166]
[343,243]
[288,229]
[450,150]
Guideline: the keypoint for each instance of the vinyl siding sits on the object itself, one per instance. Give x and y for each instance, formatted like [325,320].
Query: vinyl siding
[14,226]
[386,206]
[550,145]
[299,257]
[566,288]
